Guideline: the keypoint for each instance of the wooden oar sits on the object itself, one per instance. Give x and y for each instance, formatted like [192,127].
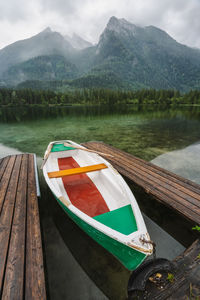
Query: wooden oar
[88,150]
[46,156]
[75,171]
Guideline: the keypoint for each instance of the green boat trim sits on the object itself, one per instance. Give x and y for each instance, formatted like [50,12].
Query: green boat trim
[129,257]
[60,147]
[121,220]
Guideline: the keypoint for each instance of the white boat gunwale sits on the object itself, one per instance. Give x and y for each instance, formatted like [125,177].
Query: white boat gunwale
[131,240]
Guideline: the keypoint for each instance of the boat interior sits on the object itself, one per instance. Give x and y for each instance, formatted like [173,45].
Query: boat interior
[95,193]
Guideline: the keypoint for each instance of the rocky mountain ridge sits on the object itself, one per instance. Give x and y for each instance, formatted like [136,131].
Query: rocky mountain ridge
[126,56]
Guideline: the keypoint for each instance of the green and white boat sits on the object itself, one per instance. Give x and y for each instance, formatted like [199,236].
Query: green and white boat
[97,198]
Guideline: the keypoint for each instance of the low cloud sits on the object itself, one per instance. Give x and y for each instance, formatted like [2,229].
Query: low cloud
[20,19]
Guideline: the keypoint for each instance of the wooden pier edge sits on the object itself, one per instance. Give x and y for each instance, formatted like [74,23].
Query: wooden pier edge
[21,256]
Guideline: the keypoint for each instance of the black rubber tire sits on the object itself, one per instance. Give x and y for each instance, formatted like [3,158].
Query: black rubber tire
[139,277]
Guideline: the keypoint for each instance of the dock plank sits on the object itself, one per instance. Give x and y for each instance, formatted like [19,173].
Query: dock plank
[13,283]
[3,165]
[5,180]
[168,188]
[6,217]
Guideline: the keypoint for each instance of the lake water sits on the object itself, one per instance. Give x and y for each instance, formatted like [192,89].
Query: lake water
[145,133]
[170,138]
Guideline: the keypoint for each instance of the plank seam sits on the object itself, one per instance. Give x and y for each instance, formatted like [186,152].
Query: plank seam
[25,241]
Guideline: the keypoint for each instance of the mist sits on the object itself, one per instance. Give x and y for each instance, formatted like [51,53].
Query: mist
[20,19]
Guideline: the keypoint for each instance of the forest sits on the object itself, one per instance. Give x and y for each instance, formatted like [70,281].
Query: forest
[15,97]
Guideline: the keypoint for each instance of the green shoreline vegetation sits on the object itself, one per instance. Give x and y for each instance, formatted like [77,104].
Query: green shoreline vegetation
[12,97]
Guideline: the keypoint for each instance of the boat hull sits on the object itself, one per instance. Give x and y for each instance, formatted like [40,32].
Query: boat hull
[129,257]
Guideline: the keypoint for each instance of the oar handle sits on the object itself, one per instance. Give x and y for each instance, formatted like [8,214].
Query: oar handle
[46,155]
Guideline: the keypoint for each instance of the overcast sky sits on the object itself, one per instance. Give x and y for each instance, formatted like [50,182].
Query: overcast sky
[20,19]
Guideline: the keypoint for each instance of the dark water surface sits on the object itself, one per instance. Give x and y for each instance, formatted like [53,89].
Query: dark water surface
[148,133]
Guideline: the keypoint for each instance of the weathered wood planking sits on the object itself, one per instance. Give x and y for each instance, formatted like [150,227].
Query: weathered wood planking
[13,281]
[186,284]
[174,191]
[21,258]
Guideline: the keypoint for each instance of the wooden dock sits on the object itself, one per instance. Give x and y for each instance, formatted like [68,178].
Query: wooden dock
[21,256]
[176,192]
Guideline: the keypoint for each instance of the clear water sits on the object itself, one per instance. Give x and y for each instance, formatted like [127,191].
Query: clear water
[145,133]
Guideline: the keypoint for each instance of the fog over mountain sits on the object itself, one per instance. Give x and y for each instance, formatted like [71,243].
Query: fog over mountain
[126,56]
[78,42]
[20,19]
[46,42]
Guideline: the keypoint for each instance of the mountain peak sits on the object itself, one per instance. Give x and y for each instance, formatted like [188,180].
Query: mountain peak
[113,21]
[120,26]
[47,30]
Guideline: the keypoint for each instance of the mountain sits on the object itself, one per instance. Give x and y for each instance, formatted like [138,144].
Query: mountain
[146,56]
[46,42]
[45,68]
[126,57]
[77,42]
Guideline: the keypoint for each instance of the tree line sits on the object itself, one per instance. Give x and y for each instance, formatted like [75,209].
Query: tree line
[11,97]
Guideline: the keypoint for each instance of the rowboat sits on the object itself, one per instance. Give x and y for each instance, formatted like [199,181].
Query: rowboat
[96,197]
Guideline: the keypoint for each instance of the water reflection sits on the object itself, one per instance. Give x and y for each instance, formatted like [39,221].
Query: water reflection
[143,132]
[24,113]
[184,162]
